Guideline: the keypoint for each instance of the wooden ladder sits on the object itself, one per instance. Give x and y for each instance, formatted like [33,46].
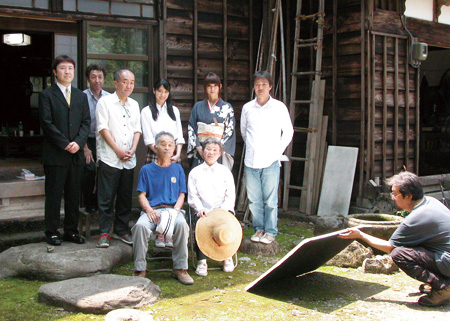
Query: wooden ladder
[315,123]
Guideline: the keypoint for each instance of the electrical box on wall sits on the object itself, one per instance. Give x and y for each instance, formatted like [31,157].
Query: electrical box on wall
[419,51]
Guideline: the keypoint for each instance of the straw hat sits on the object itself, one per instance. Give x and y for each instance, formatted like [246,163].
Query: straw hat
[219,234]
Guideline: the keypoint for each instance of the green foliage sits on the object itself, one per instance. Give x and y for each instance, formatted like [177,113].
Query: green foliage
[402,213]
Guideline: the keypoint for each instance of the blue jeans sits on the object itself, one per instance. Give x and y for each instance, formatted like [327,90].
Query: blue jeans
[262,192]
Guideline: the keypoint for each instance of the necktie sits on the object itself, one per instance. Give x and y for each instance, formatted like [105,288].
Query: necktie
[68,96]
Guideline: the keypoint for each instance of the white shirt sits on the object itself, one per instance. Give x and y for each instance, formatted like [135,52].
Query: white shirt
[122,121]
[150,127]
[211,187]
[64,88]
[267,131]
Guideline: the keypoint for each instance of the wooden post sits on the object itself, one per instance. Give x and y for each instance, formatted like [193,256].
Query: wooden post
[195,48]
[225,50]
[395,166]
[384,114]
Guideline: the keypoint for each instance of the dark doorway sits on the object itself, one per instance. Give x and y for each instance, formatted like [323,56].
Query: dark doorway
[434,155]
[26,70]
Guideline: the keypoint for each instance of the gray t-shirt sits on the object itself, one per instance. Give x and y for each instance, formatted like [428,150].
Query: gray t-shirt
[427,226]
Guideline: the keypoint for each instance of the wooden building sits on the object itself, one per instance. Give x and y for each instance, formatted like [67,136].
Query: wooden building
[180,40]
[373,94]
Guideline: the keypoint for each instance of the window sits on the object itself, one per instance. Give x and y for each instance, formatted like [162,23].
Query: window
[38,4]
[425,9]
[445,15]
[421,9]
[115,47]
[130,8]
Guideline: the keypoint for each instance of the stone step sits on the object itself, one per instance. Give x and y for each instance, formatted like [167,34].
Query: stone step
[23,227]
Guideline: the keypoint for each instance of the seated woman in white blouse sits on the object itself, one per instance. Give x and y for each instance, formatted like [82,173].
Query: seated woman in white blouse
[160,115]
[210,186]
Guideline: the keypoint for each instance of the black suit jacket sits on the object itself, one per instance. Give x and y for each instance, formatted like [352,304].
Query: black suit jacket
[62,124]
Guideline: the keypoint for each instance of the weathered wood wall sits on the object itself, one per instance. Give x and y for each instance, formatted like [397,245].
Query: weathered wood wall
[371,89]
[203,36]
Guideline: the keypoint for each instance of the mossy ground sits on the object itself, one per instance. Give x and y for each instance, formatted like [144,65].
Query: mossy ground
[330,293]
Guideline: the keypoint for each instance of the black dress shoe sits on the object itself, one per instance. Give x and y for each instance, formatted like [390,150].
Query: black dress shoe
[74,238]
[53,240]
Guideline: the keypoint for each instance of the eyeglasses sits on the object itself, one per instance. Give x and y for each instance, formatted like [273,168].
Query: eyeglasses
[394,197]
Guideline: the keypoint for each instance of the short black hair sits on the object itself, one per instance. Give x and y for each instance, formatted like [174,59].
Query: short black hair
[95,67]
[62,58]
[263,74]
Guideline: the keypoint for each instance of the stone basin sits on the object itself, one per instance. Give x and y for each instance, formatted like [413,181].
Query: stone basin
[383,225]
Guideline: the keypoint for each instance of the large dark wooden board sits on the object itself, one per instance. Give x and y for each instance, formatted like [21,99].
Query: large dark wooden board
[305,257]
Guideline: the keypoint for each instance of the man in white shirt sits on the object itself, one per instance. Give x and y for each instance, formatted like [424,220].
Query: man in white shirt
[95,75]
[118,132]
[210,186]
[267,130]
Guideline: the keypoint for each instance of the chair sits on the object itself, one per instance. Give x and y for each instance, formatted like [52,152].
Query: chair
[191,241]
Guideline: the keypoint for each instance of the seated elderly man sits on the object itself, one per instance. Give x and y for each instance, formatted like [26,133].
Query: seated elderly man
[421,244]
[210,186]
[162,187]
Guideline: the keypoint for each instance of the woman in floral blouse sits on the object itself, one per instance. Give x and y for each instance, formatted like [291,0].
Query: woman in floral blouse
[210,111]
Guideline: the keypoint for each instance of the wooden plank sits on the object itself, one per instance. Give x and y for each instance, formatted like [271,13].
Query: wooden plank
[163,38]
[362,145]
[321,156]
[180,22]
[384,113]
[407,104]
[225,49]
[238,28]
[434,34]
[371,143]
[334,75]
[195,45]
[417,122]
[396,105]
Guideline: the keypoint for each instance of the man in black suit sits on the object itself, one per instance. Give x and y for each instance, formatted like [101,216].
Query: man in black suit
[65,122]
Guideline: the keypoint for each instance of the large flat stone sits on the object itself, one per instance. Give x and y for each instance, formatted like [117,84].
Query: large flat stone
[337,181]
[67,261]
[100,294]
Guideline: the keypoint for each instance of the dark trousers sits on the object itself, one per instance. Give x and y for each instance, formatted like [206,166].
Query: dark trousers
[61,180]
[420,264]
[90,179]
[114,183]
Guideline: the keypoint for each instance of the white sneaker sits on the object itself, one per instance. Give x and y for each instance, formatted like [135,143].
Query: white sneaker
[202,268]
[228,265]
[159,242]
[169,242]
[257,236]
[267,239]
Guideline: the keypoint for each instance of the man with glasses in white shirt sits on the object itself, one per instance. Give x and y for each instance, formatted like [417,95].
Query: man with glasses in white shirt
[118,133]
